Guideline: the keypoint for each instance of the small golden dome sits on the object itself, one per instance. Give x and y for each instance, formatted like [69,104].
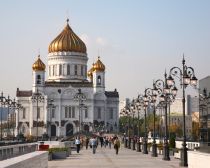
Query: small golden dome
[38,65]
[90,72]
[67,41]
[99,66]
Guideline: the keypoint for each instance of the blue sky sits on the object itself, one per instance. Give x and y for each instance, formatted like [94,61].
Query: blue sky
[137,40]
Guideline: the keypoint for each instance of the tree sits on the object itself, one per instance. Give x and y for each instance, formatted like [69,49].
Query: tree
[176,129]
[195,130]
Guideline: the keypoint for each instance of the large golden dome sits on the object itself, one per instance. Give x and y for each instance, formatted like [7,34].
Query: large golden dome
[67,41]
[99,66]
[38,65]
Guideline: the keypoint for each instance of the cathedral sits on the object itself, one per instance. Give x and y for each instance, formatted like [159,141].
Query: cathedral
[71,98]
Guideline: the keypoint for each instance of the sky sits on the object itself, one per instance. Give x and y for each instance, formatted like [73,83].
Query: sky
[137,40]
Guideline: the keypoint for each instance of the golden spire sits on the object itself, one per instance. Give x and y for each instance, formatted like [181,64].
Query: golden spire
[38,65]
[67,41]
[99,66]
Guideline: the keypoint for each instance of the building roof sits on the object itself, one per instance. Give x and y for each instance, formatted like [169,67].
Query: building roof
[67,84]
[23,93]
[67,41]
[114,94]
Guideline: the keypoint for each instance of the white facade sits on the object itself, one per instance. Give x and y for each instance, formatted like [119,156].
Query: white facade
[67,74]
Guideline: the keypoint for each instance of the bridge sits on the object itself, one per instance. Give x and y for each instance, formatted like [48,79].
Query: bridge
[106,158]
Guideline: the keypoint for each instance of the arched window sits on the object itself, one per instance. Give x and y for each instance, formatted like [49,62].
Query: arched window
[99,80]
[68,69]
[38,80]
[75,69]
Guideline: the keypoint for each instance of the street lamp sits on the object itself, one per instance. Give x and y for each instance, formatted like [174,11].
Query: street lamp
[50,107]
[187,77]
[9,104]
[80,97]
[147,99]
[203,108]
[139,105]
[36,98]
[18,106]
[3,103]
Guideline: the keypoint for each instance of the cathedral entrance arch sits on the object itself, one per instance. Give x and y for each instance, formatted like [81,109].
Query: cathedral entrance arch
[53,130]
[86,128]
[69,129]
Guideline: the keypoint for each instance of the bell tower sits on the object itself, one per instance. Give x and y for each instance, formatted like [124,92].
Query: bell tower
[38,74]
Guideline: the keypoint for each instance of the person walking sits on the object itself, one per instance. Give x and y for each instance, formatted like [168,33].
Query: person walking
[77,143]
[93,142]
[116,145]
[86,142]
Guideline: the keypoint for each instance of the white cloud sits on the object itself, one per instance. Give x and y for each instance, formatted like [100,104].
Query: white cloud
[101,41]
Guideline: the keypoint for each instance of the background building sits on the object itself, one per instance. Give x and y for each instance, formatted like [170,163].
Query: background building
[80,102]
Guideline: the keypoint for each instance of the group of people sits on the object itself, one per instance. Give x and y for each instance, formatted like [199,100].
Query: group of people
[93,143]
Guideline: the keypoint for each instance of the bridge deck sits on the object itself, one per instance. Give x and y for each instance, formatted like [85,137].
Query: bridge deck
[106,158]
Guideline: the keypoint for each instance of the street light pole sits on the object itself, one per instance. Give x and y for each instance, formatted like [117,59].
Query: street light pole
[50,106]
[187,77]
[37,97]
[3,103]
[80,97]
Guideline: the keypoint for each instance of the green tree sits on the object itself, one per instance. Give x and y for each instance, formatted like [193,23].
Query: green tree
[195,130]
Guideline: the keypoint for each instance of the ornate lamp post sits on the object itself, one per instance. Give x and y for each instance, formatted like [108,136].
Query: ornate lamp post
[80,97]
[166,94]
[139,105]
[9,104]
[147,98]
[18,106]
[50,107]
[36,98]
[3,103]
[132,107]
[203,107]
[187,77]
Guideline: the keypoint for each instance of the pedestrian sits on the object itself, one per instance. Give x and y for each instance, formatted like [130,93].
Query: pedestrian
[116,145]
[101,141]
[110,142]
[77,143]
[86,142]
[93,144]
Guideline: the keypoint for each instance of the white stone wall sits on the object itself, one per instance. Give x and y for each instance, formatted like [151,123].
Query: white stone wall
[38,159]
[198,159]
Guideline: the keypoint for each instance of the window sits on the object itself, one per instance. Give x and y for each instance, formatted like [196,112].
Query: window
[53,70]
[69,111]
[49,70]
[99,80]
[73,112]
[53,113]
[38,80]
[24,113]
[66,112]
[75,69]
[86,113]
[99,113]
[111,113]
[82,70]
[60,70]
[38,112]
[68,69]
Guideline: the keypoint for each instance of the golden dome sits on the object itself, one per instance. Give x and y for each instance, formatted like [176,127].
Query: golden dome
[38,65]
[99,66]
[90,72]
[67,41]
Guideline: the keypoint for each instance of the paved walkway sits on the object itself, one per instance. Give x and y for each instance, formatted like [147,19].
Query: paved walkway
[106,158]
